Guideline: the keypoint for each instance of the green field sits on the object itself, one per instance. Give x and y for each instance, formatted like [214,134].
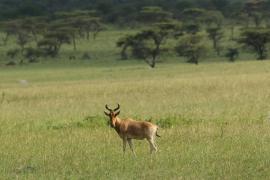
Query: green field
[213,117]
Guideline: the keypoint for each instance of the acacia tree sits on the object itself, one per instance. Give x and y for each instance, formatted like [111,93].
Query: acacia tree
[147,43]
[191,28]
[126,42]
[52,42]
[193,15]
[23,38]
[236,19]
[85,22]
[213,18]
[32,26]
[10,28]
[215,34]
[256,40]
[24,31]
[94,26]
[154,14]
[192,19]
[87,25]
[255,10]
[191,47]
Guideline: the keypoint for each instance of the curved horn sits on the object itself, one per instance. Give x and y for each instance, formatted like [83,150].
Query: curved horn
[106,106]
[118,107]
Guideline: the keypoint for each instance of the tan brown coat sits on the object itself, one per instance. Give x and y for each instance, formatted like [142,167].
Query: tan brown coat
[129,129]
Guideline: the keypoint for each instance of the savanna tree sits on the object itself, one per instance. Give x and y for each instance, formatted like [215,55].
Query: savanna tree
[154,14]
[52,41]
[215,34]
[147,43]
[194,15]
[255,10]
[85,22]
[191,28]
[9,28]
[129,41]
[257,40]
[64,30]
[213,18]
[192,19]
[191,46]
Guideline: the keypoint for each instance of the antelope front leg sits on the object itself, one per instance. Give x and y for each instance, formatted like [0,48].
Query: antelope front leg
[124,145]
[131,146]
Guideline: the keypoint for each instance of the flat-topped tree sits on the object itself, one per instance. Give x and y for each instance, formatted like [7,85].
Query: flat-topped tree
[94,26]
[60,36]
[86,25]
[64,30]
[191,28]
[53,39]
[23,38]
[215,34]
[192,19]
[255,10]
[73,33]
[126,42]
[154,14]
[194,15]
[192,47]
[147,44]
[236,19]
[9,28]
[34,26]
[213,18]
[86,22]
[257,40]
[18,30]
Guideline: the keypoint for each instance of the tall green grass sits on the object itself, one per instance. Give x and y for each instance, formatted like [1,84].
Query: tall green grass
[214,121]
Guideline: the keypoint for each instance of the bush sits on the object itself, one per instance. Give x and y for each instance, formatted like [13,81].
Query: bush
[232,54]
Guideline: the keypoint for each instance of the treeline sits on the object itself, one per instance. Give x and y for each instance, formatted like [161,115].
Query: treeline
[116,11]
[194,28]
[190,24]
[44,36]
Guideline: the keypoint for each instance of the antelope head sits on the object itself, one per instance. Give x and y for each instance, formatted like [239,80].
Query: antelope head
[112,114]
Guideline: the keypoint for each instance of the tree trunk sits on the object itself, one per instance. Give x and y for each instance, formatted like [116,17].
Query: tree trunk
[124,55]
[232,33]
[74,43]
[262,53]
[5,40]
[153,62]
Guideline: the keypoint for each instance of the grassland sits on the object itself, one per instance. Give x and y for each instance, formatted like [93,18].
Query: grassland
[214,118]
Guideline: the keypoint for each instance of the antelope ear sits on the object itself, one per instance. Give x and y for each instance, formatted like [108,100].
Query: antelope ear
[117,113]
[106,114]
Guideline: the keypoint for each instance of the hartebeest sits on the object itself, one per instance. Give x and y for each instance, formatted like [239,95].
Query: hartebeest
[129,129]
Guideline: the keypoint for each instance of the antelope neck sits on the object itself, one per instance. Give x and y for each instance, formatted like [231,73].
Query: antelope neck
[117,124]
